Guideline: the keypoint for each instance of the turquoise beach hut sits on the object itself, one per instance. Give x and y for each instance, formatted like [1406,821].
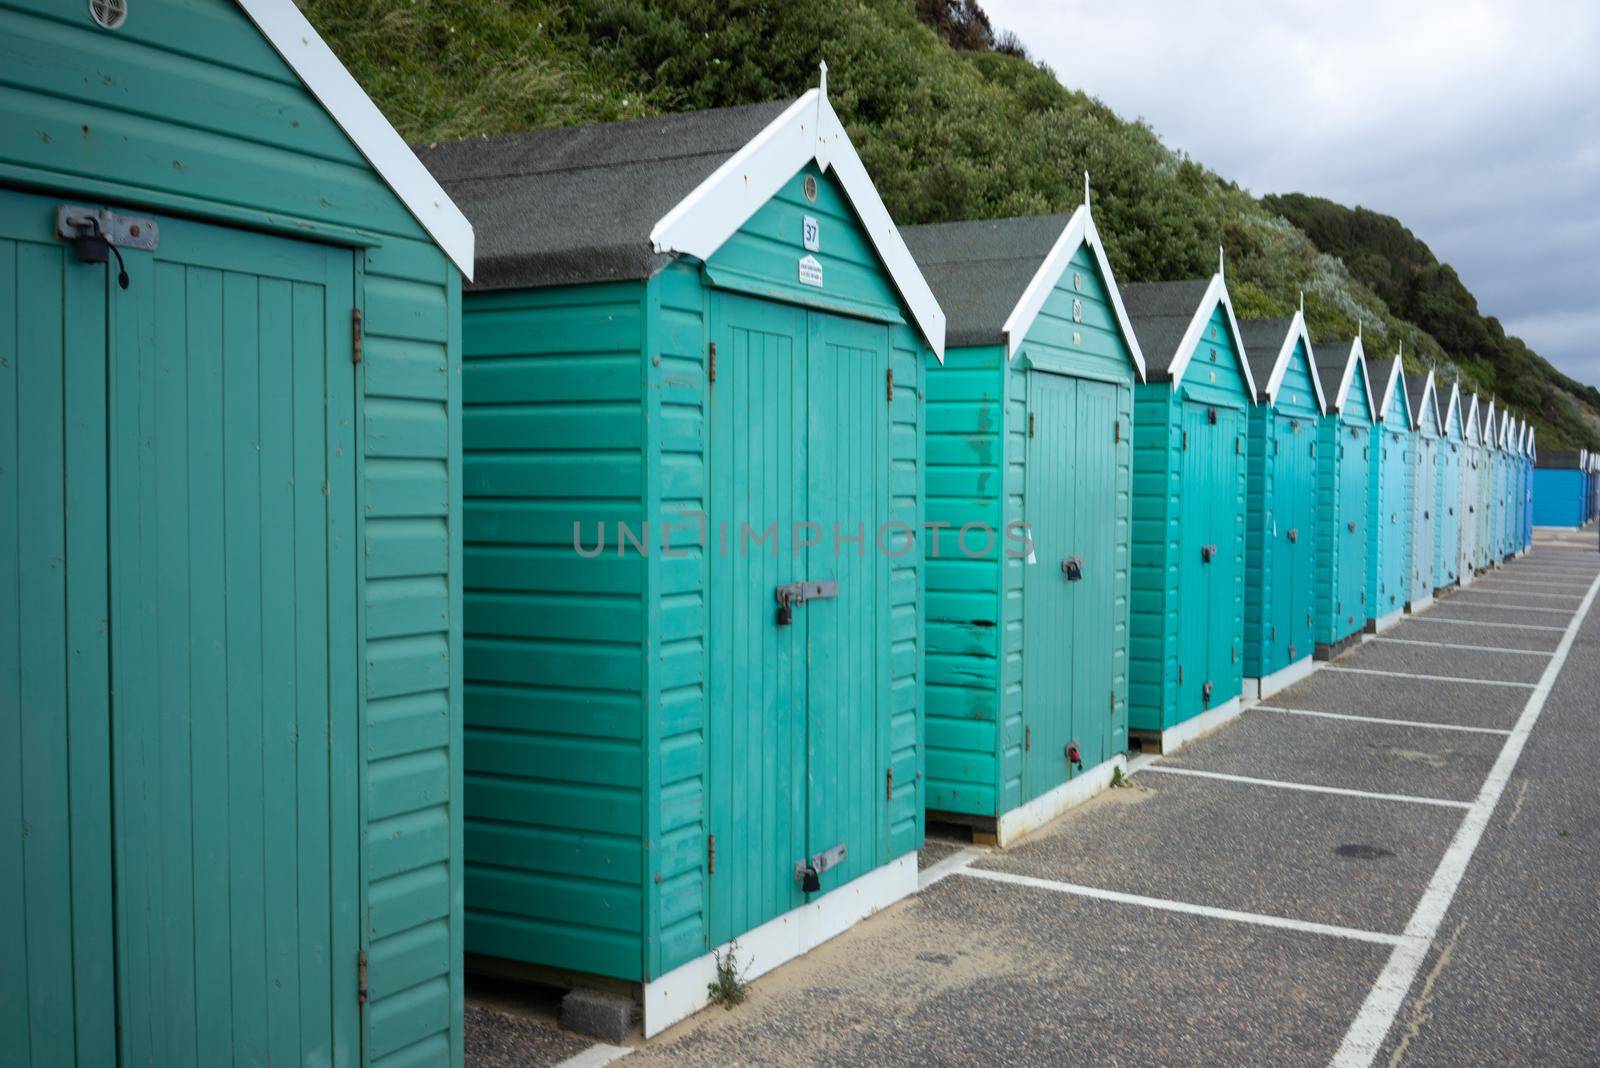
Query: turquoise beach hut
[1560,496]
[1447,510]
[1473,494]
[1525,533]
[1423,397]
[1344,497]
[693,431]
[1186,658]
[1489,498]
[1280,540]
[230,550]
[1392,470]
[1029,431]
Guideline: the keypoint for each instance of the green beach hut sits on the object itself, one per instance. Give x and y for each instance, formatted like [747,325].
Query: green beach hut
[1392,473]
[1423,396]
[695,360]
[229,314]
[1029,432]
[1344,498]
[1280,554]
[1186,662]
[1448,511]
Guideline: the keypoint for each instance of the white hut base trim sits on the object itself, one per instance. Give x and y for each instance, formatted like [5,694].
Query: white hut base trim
[1384,622]
[1260,689]
[682,992]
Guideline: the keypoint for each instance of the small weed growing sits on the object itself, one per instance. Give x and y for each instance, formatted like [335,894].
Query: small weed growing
[729,987]
[1118,779]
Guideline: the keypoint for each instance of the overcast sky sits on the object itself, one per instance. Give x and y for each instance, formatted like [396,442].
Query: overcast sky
[1476,124]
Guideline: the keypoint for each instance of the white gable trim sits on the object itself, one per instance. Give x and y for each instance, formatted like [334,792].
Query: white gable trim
[325,77]
[807,131]
[1280,366]
[1472,430]
[1491,430]
[1452,413]
[1358,354]
[1396,381]
[1430,396]
[1216,293]
[1080,230]
[1533,446]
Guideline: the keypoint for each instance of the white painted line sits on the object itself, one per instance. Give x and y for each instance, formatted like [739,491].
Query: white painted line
[1142,761]
[1438,802]
[1458,645]
[1260,919]
[948,866]
[1430,618]
[1428,678]
[1522,592]
[1507,607]
[1371,1025]
[1519,583]
[595,1056]
[1383,720]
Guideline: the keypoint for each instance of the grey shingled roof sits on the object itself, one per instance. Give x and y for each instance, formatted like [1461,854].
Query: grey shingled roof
[557,207]
[1378,372]
[1160,313]
[979,269]
[1263,340]
[1563,459]
[1331,357]
[1415,386]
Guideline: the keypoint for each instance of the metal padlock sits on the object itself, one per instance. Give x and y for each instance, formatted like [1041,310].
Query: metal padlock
[1072,567]
[1294,534]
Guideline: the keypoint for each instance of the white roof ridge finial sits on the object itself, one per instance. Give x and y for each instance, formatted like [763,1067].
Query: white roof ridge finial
[1086,187]
[823,66]
[1222,261]
[1302,304]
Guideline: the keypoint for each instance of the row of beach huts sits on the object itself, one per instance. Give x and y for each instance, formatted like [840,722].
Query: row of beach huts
[569,553]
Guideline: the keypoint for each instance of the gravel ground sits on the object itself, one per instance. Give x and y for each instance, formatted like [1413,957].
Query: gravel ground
[497,1039]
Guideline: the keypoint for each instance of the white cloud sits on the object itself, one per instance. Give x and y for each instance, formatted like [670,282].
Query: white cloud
[1476,124]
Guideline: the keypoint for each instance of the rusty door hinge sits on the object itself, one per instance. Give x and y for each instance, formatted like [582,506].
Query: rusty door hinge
[1116,431]
[711,362]
[1112,704]
[890,379]
[355,335]
[1030,424]
[1180,674]
[711,854]
[1027,739]
[888,789]
[1186,439]
[361,977]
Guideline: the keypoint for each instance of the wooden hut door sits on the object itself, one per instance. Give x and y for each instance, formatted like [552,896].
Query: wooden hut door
[188,646]
[1049,635]
[799,469]
[1225,648]
[1196,555]
[233,631]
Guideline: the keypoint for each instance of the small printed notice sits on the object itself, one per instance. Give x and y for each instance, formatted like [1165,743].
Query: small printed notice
[811,233]
[810,271]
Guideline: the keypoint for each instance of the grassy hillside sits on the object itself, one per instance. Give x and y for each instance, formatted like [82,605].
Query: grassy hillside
[947,132]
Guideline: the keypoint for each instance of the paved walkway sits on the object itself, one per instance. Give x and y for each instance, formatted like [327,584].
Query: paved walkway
[1394,862]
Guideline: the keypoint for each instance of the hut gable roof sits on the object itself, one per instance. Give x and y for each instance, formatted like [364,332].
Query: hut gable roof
[618,201]
[294,39]
[1472,421]
[1269,346]
[1422,395]
[1390,373]
[992,276]
[1337,362]
[1170,318]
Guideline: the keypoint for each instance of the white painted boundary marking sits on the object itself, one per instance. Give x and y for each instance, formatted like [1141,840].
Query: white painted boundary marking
[1142,761]
[1523,592]
[1388,994]
[1457,645]
[1381,719]
[1428,678]
[1430,618]
[595,1056]
[1508,607]
[1308,788]
[949,866]
[1260,919]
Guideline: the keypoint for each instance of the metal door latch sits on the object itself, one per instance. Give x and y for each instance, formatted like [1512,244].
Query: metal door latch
[1072,567]
[1351,526]
[789,594]
[1294,534]
[1205,692]
[1074,755]
[1207,553]
[808,872]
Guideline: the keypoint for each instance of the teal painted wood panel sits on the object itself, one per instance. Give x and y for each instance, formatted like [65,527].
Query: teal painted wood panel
[57,996]
[554,670]
[1282,537]
[1423,536]
[1050,643]
[1215,373]
[1153,620]
[1345,513]
[966,447]
[185,107]
[1447,513]
[229,919]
